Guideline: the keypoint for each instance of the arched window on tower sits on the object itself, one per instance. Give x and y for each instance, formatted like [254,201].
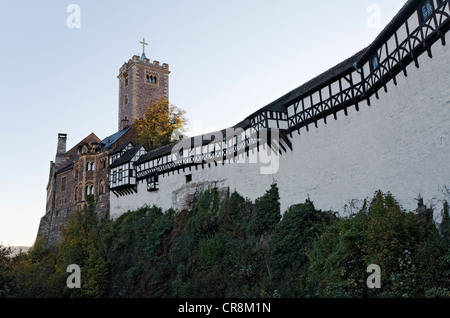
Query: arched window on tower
[152,79]
[76,194]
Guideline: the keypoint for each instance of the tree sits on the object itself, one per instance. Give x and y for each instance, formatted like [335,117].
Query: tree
[266,214]
[292,239]
[82,246]
[162,123]
[7,282]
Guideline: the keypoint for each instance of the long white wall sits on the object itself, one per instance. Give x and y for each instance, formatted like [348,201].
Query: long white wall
[399,144]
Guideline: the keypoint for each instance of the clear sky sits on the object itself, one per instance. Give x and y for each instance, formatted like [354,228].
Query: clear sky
[227,59]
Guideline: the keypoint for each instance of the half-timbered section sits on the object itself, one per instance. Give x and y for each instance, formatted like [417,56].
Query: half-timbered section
[349,84]
[122,172]
[358,79]
[119,151]
[238,144]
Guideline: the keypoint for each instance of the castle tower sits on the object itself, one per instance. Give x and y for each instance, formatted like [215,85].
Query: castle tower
[141,82]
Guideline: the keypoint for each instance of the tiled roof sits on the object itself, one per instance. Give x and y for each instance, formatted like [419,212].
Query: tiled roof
[126,157]
[110,140]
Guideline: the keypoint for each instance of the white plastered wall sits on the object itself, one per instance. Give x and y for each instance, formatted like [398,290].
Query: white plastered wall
[399,144]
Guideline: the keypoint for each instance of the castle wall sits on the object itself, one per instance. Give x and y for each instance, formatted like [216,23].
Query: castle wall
[401,144]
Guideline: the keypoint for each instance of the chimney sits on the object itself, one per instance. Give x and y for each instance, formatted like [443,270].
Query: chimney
[61,150]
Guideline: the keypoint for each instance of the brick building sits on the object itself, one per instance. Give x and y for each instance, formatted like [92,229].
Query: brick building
[82,171]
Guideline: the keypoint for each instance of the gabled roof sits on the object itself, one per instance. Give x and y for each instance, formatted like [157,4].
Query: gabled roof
[110,140]
[64,169]
[72,154]
[126,157]
[120,148]
[164,150]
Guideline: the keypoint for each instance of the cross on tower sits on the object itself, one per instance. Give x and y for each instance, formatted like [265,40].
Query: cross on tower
[143,45]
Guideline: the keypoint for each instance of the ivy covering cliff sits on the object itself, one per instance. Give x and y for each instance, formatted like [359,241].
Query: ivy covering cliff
[232,247]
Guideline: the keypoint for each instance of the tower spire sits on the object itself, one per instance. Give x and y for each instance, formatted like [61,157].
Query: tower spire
[143,48]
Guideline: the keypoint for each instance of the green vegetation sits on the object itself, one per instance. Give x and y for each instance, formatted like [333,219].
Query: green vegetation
[231,247]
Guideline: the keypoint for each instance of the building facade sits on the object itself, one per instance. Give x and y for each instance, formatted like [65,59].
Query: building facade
[376,121]
[82,171]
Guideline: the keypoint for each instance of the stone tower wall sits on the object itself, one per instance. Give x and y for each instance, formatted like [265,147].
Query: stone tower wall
[140,92]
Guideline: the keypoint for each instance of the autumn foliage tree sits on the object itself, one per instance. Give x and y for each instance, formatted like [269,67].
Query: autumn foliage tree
[162,123]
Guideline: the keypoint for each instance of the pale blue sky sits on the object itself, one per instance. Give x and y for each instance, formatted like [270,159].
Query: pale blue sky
[227,59]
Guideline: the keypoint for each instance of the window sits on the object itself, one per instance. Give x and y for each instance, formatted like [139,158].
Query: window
[426,11]
[120,174]
[374,63]
[63,184]
[151,79]
[90,166]
[188,178]
[125,81]
[126,100]
[152,183]
[89,189]
[101,187]
[114,176]
[75,197]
